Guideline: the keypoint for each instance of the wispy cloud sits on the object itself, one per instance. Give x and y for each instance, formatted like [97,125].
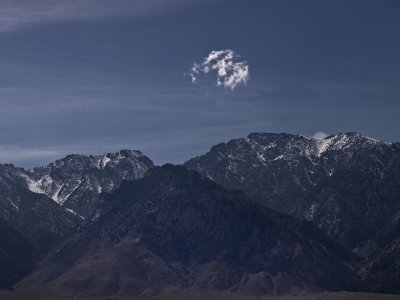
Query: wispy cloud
[21,13]
[12,154]
[232,70]
[320,135]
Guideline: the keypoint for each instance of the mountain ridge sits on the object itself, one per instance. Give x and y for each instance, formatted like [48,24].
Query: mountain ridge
[33,209]
[285,172]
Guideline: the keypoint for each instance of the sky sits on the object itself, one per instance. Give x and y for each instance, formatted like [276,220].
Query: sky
[174,77]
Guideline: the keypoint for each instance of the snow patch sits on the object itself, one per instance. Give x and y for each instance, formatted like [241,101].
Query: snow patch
[32,185]
[105,160]
[279,157]
[14,205]
[56,197]
[322,145]
[74,213]
[261,157]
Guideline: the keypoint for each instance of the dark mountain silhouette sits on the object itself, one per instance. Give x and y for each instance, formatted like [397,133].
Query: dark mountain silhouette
[174,228]
[17,255]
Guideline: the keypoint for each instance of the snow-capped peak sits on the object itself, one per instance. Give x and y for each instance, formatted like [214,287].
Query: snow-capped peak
[76,180]
[342,141]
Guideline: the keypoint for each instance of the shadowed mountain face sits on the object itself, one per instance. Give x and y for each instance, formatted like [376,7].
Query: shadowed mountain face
[381,272]
[347,184]
[38,204]
[17,255]
[174,228]
[383,269]
[37,217]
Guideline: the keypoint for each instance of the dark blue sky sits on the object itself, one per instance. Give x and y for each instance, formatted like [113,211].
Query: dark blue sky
[86,76]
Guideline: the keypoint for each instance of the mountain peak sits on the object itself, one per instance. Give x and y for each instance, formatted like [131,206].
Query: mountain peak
[343,141]
[282,171]
[311,145]
[74,179]
[352,135]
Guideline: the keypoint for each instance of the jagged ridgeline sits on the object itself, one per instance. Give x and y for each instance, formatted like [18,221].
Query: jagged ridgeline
[347,184]
[316,214]
[53,199]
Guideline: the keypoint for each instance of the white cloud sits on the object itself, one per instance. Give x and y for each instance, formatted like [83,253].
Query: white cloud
[320,135]
[232,71]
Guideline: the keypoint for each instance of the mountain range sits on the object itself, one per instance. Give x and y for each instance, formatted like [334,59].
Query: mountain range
[174,228]
[270,213]
[347,184]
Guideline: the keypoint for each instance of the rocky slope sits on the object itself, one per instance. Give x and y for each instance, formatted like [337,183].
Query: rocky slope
[76,180]
[38,205]
[35,216]
[381,272]
[174,228]
[47,204]
[348,184]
